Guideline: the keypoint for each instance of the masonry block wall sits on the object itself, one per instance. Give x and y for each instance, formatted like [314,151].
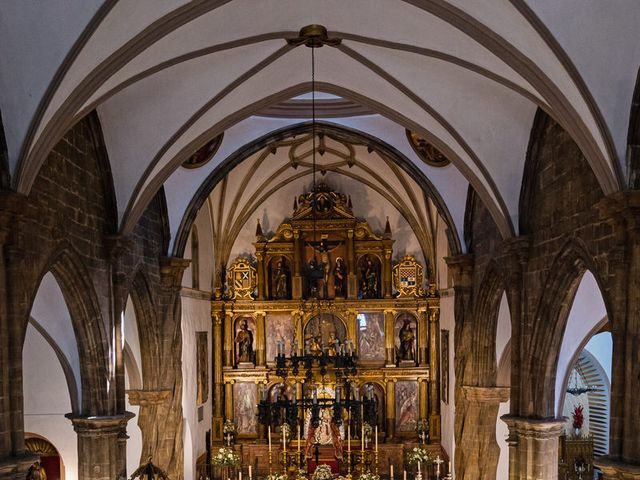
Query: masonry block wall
[67,225]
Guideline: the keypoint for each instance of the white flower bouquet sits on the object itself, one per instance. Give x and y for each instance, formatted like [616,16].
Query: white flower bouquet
[369,476]
[323,472]
[226,457]
[229,428]
[418,455]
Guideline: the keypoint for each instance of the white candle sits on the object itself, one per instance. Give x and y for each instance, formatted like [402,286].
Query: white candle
[240,475]
[376,438]
[298,438]
[349,437]
[284,439]
[250,476]
[391,471]
[449,471]
[419,469]
[362,437]
[269,438]
[404,475]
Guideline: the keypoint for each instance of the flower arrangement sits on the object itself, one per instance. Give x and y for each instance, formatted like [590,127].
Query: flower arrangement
[369,476]
[229,428]
[323,472]
[226,457]
[578,416]
[276,476]
[368,430]
[422,426]
[418,455]
[286,429]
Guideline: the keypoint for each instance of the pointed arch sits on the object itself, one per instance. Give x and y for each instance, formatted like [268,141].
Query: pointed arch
[551,319]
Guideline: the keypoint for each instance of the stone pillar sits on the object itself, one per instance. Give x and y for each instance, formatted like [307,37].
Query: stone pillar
[389,338]
[352,279]
[98,446]
[391,408]
[228,400]
[228,338]
[260,339]
[423,337]
[434,374]
[478,452]
[218,385]
[533,451]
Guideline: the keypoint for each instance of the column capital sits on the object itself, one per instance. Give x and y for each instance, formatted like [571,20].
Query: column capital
[461,267]
[99,425]
[534,427]
[613,468]
[171,270]
[486,394]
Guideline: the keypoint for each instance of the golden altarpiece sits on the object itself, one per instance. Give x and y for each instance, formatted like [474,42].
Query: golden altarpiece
[323,282]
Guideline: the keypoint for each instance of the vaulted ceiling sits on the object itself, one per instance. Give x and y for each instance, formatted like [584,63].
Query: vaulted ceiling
[168,76]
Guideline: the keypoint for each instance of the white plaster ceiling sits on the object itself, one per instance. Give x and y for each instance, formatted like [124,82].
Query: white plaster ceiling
[167,76]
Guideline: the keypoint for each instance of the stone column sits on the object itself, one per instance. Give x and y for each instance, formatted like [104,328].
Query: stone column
[389,337]
[228,400]
[218,384]
[98,446]
[260,339]
[434,374]
[391,408]
[423,337]
[229,335]
[533,451]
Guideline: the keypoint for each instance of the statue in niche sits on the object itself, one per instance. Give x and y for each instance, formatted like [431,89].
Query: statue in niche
[244,340]
[369,278]
[280,280]
[324,248]
[340,278]
[407,341]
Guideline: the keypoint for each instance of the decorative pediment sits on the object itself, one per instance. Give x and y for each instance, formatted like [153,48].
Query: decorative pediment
[241,279]
[329,204]
[408,277]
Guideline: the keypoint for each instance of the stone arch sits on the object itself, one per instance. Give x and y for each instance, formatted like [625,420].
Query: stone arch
[81,299]
[551,319]
[241,154]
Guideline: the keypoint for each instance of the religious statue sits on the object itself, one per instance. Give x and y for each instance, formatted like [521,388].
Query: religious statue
[314,345]
[244,340]
[314,274]
[280,281]
[36,472]
[340,278]
[369,279]
[407,341]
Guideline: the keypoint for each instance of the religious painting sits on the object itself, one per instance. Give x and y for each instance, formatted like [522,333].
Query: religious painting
[280,328]
[369,285]
[245,343]
[376,391]
[280,392]
[244,407]
[322,332]
[444,348]
[202,367]
[406,406]
[279,278]
[324,434]
[405,335]
[371,337]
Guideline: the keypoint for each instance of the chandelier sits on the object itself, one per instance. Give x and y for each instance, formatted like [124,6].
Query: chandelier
[577,384]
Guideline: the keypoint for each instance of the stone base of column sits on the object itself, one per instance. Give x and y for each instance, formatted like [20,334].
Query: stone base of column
[533,447]
[615,469]
[14,468]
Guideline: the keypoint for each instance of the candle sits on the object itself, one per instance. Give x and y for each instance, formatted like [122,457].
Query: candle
[449,471]
[376,438]
[250,477]
[269,438]
[298,438]
[404,475]
[362,438]
[391,471]
[284,439]
[419,469]
[240,475]
[349,437]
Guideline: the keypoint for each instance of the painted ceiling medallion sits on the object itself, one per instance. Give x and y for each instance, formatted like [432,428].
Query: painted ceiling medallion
[204,153]
[426,151]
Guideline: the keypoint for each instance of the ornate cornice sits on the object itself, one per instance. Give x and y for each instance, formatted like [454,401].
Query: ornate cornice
[145,398]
